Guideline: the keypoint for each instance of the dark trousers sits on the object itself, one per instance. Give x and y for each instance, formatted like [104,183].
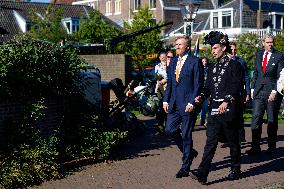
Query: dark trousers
[242,135]
[218,125]
[180,126]
[161,115]
[260,105]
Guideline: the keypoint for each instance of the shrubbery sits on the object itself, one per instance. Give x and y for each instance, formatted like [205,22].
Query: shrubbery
[33,68]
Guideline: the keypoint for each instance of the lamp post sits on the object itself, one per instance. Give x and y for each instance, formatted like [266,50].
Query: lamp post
[189,10]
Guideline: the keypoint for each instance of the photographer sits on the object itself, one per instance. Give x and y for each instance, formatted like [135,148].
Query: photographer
[161,76]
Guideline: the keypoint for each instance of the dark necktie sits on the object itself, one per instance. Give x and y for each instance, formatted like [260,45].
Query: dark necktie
[264,63]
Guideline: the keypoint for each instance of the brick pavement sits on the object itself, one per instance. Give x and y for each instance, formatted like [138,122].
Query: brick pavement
[151,161]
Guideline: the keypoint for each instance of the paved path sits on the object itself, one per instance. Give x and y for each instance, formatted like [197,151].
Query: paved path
[151,161]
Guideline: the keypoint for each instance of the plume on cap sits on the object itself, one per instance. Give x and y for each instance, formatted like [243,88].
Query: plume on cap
[216,37]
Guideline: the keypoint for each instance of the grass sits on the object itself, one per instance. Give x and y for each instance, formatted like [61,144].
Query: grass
[277,186]
[248,116]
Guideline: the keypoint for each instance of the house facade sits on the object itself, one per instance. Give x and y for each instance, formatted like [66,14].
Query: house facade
[242,16]
[233,17]
[15,17]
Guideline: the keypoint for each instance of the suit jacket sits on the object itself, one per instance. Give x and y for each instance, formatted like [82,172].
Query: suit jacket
[245,73]
[267,81]
[188,87]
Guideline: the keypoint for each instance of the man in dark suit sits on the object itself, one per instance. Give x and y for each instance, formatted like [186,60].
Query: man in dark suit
[224,84]
[185,79]
[246,92]
[269,63]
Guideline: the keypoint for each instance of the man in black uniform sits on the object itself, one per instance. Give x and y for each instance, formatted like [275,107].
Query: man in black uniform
[224,84]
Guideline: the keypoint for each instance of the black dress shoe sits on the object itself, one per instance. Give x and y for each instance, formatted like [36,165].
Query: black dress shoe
[235,174]
[194,153]
[196,175]
[270,151]
[253,151]
[182,173]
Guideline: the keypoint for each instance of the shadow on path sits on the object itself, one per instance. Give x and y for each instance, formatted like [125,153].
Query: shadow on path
[144,142]
[265,163]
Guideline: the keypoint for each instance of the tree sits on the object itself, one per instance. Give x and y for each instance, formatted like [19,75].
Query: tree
[96,30]
[48,27]
[148,43]
[279,42]
[248,45]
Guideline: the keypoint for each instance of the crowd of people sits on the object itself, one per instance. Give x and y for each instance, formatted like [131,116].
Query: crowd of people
[189,85]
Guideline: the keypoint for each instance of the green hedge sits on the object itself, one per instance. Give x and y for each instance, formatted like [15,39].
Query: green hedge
[33,68]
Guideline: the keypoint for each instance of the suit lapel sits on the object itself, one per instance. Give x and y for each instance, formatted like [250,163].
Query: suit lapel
[183,69]
[271,60]
[174,69]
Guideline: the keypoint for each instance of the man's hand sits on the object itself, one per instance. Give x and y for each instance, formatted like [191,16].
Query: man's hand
[189,108]
[223,107]
[197,100]
[163,81]
[247,98]
[166,107]
[272,97]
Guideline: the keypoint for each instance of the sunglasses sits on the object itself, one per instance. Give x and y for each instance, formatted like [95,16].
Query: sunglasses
[169,56]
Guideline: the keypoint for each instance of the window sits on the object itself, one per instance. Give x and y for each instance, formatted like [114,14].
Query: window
[279,22]
[71,25]
[117,7]
[152,4]
[75,26]
[137,4]
[215,19]
[226,19]
[108,7]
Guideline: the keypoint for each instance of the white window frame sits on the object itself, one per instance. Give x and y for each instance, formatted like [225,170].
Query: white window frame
[273,14]
[219,12]
[117,7]
[214,16]
[152,3]
[136,5]
[108,7]
[227,14]
[71,25]
[92,3]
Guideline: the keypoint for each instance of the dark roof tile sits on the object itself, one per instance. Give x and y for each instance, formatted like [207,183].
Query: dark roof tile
[266,6]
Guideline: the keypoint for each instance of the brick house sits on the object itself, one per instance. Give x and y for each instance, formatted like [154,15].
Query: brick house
[15,17]
[233,17]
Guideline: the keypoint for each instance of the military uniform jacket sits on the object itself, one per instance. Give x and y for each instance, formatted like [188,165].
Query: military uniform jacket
[225,84]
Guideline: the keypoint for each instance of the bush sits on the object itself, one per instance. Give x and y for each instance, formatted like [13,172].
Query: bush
[31,67]
[28,165]
[36,69]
